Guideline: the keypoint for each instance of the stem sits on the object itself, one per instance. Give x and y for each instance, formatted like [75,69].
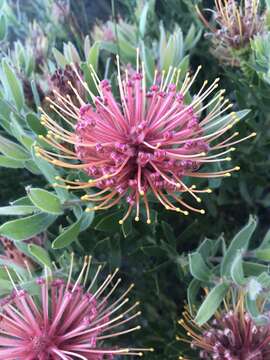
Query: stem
[115,27]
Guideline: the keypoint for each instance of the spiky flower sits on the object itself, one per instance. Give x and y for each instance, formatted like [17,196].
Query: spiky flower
[14,255]
[107,31]
[235,25]
[66,320]
[60,80]
[231,335]
[144,144]
[104,32]
[37,43]
[60,10]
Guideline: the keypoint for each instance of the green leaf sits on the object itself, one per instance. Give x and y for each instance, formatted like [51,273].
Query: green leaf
[5,287]
[59,57]
[94,55]
[13,150]
[40,254]
[253,269]
[69,235]
[17,210]
[45,200]
[12,266]
[25,228]
[192,292]
[266,241]
[3,27]
[205,248]
[237,272]
[22,201]
[264,280]
[263,254]
[149,62]
[211,303]
[11,163]
[35,92]
[50,173]
[239,242]
[34,124]
[14,85]
[87,219]
[143,19]
[108,46]
[168,232]
[252,308]
[198,267]
[109,223]
[221,122]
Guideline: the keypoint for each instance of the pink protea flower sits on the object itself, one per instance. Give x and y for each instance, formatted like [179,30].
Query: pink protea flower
[146,143]
[13,255]
[65,320]
[231,335]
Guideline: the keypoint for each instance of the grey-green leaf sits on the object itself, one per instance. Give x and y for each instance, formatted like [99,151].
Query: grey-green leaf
[94,55]
[40,254]
[34,124]
[11,163]
[211,303]
[14,85]
[221,122]
[237,272]
[198,267]
[69,235]
[17,210]
[239,242]
[3,27]
[45,200]
[25,228]
[60,58]
[13,150]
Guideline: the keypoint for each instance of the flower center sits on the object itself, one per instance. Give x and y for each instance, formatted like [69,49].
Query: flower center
[39,344]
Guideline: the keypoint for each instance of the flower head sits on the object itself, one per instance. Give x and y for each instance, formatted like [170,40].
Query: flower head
[231,335]
[60,10]
[59,82]
[236,24]
[106,31]
[66,320]
[37,44]
[13,255]
[146,143]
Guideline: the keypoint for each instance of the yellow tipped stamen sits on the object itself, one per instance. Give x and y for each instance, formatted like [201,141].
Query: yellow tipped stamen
[121,222]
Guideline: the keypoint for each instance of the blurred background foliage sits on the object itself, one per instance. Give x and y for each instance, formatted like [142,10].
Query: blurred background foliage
[39,37]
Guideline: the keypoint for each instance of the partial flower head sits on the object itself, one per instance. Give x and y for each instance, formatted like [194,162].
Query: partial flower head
[144,144]
[60,10]
[106,31]
[231,335]
[37,43]
[13,255]
[235,25]
[60,80]
[66,320]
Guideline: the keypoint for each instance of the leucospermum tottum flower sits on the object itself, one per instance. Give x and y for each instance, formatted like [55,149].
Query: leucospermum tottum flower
[236,23]
[66,320]
[13,255]
[231,335]
[146,143]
